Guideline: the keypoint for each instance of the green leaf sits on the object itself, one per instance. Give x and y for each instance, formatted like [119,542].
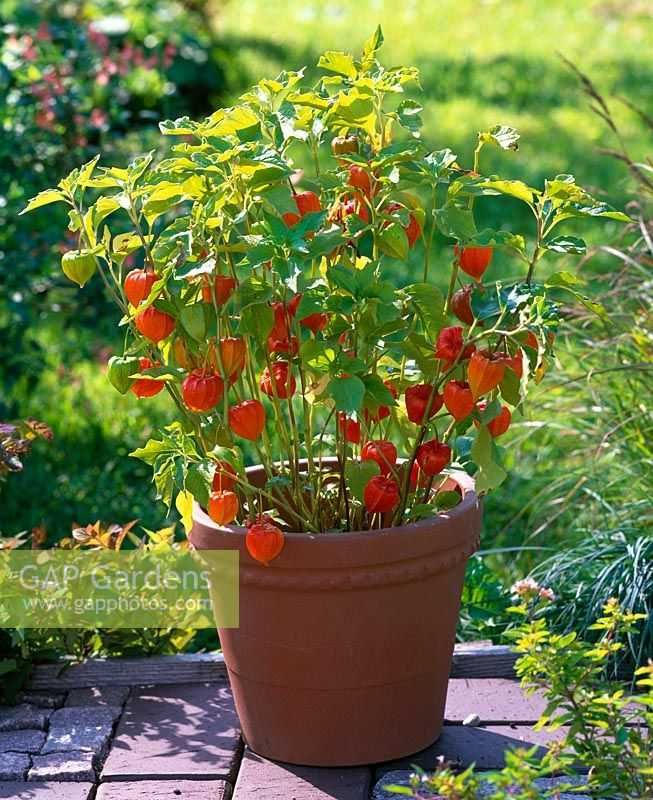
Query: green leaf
[517,189]
[252,291]
[343,278]
[198,481]
[326,241]
[340,63]
[509,387]
[44,199]
[372,46]
[312,302]
[162,373]
[565,244]
[347,393]
[409,114]
[455,222]
[430,303]
[183,126]
[393,241]
[194,322]
[354,109]
[565,279]
[377,392]
[280,198]
[418,349]
[257,320]
[501,136]
[490,473]
[438,163]
[358,475]
[152,450]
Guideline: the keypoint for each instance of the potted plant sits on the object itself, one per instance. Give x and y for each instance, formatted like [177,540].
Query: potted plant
[310,290]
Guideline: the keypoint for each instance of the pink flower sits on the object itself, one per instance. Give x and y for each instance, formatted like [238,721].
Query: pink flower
[99,40]
[43,33]
[98,118]
[45,119]
[169,52]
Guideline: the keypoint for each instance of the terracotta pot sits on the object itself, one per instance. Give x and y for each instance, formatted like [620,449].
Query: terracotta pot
[345,642]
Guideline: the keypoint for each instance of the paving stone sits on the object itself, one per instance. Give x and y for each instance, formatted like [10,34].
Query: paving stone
[84,715]
[13,766]
[43,699]
[26,741]
[176,731]
[82,729]
[260,778]
[23,716]
[483,746]
[72,766]
[164,790]
[98,696]
[493,699]
[45,791]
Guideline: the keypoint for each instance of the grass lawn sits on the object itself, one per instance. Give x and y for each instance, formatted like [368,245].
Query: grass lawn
[481,63]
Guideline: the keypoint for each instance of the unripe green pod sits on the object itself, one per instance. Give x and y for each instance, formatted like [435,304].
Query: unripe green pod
[78,265]
[119,370]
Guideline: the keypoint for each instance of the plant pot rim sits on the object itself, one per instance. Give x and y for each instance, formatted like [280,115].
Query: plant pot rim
[444,519]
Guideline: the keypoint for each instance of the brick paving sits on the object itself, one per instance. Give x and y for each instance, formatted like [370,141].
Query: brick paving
[171,741]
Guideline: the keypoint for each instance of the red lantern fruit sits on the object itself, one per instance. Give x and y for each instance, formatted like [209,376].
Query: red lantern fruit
[498,425]
[202,390]
[315,322]
[223,507]
[474,260]
[359,178]
[224,478]
[418,398]
[307,202]
[449,343]
[223,288]
[138,285]
[381,495]
[484,372]
[146,387]
[433,457]
[233,352]
[290,218]
[458,399]
[461,304]
[264,542]
[278,381]
[383,452]
[155,325]
[247,419]
[349,428]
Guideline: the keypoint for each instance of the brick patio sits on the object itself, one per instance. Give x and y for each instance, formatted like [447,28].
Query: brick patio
[171,740]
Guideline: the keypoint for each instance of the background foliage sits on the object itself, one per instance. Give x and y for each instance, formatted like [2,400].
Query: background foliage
[584,454]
